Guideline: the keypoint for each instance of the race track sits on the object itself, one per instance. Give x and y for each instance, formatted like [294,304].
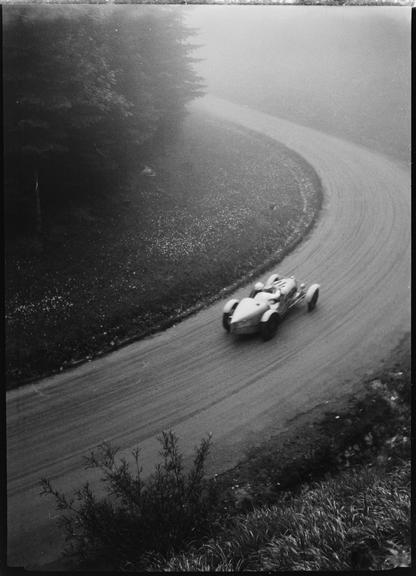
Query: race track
[195,378]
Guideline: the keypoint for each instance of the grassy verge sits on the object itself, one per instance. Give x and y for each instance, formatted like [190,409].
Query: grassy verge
[358,520]
[222,202]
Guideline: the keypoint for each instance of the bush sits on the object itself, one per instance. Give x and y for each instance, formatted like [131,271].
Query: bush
[159,516]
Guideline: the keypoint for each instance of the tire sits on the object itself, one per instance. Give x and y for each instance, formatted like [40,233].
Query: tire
[314,300]
[268,329]
[226,317]
[226,321]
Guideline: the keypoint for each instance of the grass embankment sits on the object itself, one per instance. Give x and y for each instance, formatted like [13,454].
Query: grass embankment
[333,495]
[359,520]
[222,202]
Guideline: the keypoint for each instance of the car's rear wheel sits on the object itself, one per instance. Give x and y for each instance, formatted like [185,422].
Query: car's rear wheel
[226,317]
[313,301]
[269,328]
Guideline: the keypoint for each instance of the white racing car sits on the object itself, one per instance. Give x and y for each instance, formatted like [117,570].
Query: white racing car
[267,305]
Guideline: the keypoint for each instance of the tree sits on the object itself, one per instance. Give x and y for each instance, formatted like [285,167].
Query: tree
[53,97]
[85,89]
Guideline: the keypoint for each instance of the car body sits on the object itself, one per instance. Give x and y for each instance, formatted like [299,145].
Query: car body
[266,305]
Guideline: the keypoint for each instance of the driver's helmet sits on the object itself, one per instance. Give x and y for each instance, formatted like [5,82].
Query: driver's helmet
[277,278]
[258,286]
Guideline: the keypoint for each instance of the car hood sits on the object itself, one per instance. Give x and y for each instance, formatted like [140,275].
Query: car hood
[247,309]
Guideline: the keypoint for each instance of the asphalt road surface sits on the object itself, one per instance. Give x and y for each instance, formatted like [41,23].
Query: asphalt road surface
[194,378]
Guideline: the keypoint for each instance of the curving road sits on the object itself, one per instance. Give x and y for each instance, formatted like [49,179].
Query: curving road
[194,378]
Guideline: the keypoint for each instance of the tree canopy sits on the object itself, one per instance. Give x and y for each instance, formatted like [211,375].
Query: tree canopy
[87,86]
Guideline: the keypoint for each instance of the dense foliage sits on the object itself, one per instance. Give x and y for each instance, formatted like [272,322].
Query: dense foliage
[85,89]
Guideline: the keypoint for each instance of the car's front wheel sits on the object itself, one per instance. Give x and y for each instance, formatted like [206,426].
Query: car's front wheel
[311,296]
[269,328]
[313,301]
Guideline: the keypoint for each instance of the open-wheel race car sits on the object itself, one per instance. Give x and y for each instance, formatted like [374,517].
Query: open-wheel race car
[267,304]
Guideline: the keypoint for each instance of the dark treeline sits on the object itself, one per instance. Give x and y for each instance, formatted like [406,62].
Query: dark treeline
[87,91]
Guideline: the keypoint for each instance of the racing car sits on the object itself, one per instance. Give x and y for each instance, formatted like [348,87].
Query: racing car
[266,305]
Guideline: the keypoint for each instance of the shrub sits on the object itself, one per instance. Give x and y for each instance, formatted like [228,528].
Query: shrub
[159,515]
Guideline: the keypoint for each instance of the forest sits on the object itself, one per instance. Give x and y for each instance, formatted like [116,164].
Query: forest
[87,92]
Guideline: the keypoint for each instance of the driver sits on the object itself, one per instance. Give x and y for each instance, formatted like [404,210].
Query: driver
[258,287]
[275,297]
